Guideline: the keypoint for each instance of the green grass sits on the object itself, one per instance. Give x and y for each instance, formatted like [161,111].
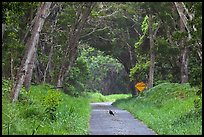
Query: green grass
[167,109]
[98,97]
[32,113]
[28,115]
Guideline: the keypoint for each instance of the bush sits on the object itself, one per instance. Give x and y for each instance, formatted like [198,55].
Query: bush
[70,114]
[51,102]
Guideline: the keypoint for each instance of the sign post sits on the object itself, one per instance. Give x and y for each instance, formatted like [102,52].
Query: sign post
[140,86]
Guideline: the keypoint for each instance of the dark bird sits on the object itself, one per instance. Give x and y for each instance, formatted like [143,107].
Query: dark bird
[111,112]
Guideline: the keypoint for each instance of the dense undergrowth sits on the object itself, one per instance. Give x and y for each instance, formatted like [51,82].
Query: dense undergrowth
[44,111]
[47,111]
[168,108]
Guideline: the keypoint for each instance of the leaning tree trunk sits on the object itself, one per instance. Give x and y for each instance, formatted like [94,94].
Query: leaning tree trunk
[31,46]
[183,13]
[70,53]
[152,54]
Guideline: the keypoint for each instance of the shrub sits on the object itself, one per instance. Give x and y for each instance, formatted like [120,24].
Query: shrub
[51,102]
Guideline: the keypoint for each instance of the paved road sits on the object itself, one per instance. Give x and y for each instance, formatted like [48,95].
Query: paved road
[123,123]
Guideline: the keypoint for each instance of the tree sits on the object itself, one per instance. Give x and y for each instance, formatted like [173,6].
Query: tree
[184,25]
[71,50]
[110,30]
[42,13]
[152,54]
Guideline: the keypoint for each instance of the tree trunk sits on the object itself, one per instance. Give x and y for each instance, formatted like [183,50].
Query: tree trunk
[184,65]
[180,6]
[29,73]
[48,64]
[3,29]
[51,49]
[38,72]
[152,54]
[70,53]
[133,89]
[12,69]
[184,56]
[31,46]
[60,78]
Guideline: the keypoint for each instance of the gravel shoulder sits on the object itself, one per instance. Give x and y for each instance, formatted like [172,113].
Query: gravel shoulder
[123,123]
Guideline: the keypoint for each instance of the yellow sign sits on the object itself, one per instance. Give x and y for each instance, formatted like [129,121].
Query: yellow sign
[140,86]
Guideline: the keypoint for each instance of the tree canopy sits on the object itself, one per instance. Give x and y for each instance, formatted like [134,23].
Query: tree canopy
[103,46]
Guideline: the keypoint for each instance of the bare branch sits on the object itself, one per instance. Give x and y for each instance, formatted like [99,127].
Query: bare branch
[137,32]
[112,14]
[93,30]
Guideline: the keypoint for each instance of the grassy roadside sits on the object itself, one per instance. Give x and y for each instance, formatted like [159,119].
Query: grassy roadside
[98,97]
[167,108]
[46,111]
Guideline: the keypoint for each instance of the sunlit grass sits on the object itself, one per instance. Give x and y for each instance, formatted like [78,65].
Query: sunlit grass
[98,97]
[167,109]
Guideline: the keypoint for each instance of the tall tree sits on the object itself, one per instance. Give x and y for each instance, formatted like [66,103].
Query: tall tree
[152,53]
[31,47]
[70,53]
[184,49]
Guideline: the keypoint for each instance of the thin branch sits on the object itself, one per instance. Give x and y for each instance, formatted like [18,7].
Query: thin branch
[155,33]
[93,30]
[104,38]
[137,32]
[112,14]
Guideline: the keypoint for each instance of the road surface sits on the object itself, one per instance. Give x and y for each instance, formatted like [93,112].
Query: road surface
[123,123]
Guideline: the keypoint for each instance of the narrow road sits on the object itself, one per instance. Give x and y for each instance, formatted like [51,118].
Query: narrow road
[123,123]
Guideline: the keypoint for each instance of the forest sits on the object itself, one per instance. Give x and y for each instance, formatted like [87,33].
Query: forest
[57,57]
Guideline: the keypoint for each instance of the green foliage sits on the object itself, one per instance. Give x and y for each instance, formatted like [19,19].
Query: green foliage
[79,74]
[178,35]
[167,108]
[98,97]
[71,115]
[144,25]
[6,87]
[80,71]
[98,68]
[51,102]
[68,15]
[139,71]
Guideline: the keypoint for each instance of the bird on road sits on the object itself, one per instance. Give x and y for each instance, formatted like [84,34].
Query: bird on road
[111,113]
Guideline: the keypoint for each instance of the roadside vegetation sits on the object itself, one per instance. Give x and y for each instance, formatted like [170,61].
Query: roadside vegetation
[98,97]
[47,111]
[98,52]
[43,111]
[168,108]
